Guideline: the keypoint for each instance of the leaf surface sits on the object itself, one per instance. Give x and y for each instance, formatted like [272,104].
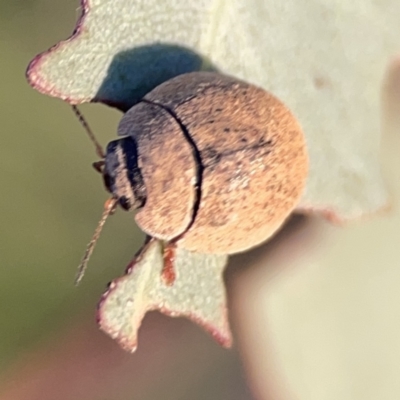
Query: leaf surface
[325,60]
[198,292]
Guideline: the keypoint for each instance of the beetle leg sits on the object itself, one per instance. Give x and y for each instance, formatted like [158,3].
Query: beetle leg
[98,166]
[168,272]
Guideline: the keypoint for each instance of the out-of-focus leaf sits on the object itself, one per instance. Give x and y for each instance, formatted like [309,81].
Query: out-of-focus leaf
[198,292]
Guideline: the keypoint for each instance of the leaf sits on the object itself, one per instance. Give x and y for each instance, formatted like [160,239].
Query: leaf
[325,60]
[198,292]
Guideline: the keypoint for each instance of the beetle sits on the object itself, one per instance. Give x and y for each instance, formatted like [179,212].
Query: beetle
[211,163]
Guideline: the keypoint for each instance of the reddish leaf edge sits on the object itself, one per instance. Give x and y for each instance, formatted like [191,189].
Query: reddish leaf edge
[128,345]
[333,217]
[41,85]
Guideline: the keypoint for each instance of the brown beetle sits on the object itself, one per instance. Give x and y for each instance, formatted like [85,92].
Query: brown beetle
[211,163]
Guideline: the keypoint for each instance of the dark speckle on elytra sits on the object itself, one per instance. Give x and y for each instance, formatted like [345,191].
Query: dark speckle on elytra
[227,130]
[262,142]
[212,155]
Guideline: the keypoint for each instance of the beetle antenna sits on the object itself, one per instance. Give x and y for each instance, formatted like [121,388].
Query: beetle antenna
[92,137]
[109,208]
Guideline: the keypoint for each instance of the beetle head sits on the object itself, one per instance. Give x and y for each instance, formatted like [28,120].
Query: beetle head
[122,175]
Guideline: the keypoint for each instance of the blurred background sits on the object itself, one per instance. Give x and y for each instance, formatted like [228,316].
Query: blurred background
[315,312]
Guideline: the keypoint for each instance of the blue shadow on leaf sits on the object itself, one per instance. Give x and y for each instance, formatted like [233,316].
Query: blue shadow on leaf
[133,73]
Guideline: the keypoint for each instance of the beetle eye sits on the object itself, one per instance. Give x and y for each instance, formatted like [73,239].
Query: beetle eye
[107,182]
[124,203]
